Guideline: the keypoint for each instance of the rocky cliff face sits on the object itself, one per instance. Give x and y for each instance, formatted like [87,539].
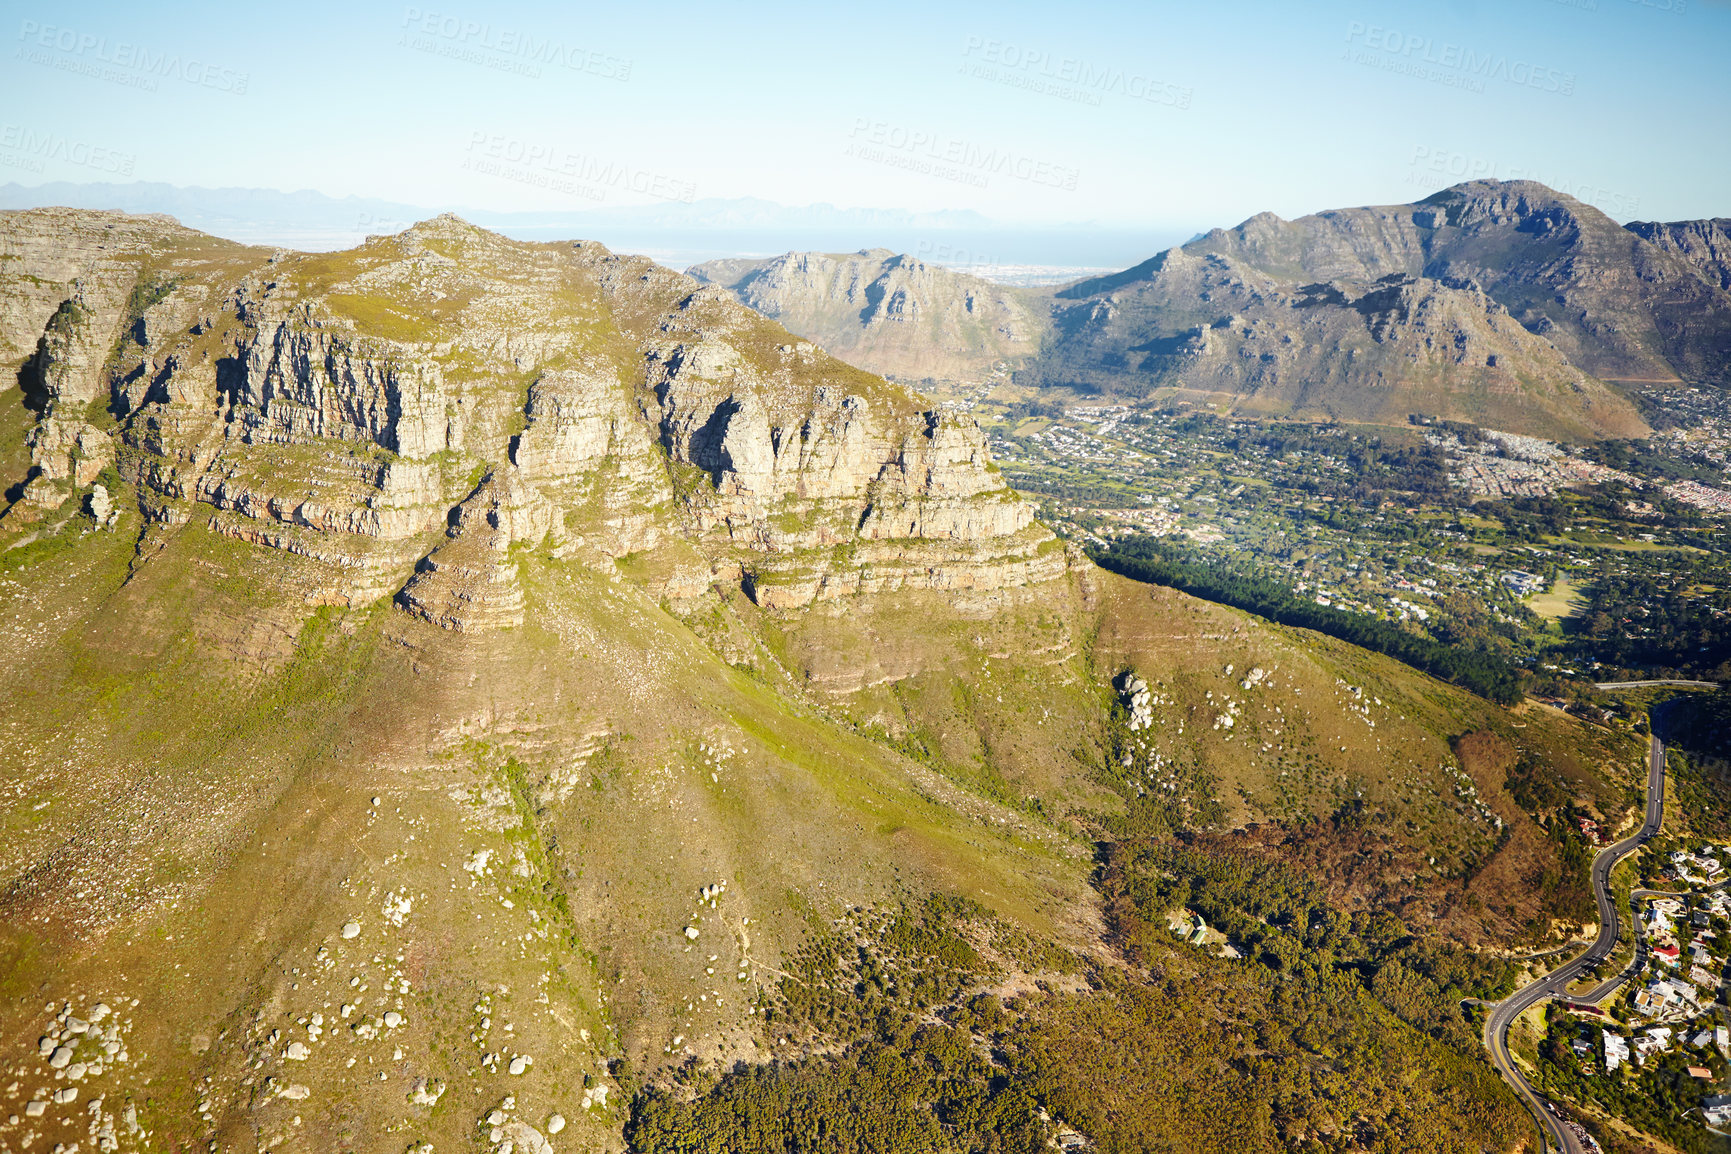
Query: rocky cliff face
[1706,244]
[889,313]
[342,407]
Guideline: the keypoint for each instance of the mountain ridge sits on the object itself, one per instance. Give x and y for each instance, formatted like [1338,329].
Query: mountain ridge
[1503,304]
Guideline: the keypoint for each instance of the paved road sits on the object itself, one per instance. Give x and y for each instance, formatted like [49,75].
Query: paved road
[1641,684]
[1556,983]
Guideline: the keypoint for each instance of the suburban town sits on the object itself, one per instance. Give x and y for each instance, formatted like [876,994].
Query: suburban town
[1435,526]
[1660,1020]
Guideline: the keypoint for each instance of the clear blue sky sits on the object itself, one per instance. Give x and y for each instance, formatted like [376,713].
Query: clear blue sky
[1137,114]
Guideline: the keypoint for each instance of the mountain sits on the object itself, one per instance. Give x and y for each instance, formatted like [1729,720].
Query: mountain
[888,313]
[1213,327]
[473,694]
[1706,244]
[1501,303]
[1617,307]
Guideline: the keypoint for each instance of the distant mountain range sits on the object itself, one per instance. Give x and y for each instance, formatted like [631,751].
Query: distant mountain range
[675,231]
[1503,303]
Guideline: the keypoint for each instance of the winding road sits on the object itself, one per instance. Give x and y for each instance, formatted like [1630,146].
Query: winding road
[1557,1136]
[1665,681]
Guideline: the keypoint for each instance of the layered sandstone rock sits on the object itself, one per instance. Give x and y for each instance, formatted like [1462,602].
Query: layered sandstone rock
[471,581]
[340,407]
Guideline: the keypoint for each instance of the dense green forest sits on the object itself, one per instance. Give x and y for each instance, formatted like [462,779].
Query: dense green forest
[1158,562]
[1673,621]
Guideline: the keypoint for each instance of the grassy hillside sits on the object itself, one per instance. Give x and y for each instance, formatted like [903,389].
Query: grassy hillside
[192,738]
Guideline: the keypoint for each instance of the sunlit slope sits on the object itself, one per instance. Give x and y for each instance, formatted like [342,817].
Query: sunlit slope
[191,825]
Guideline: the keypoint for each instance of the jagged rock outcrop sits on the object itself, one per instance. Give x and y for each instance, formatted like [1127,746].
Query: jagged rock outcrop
[470,582]
[340,407]
[51,255]
[66,448]
[307,378]
[101,507]
[889,313]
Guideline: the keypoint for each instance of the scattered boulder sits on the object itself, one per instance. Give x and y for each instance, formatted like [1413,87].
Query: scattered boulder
[426,1093]
[1134,692]
[101,507]
[525,1139]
